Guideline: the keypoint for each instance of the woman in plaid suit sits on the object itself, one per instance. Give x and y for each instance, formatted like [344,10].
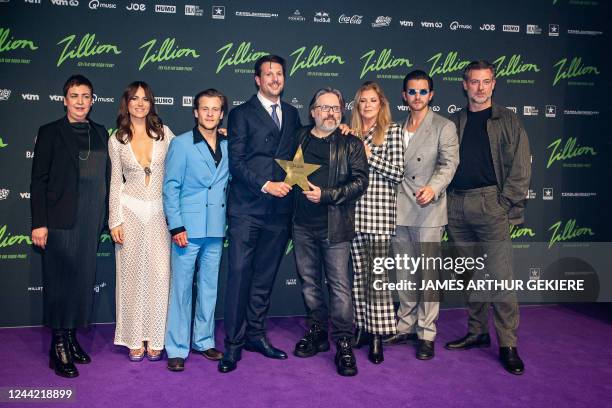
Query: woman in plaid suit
[375,216]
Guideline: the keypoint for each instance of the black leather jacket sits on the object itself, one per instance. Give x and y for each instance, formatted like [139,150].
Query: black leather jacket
[348,180]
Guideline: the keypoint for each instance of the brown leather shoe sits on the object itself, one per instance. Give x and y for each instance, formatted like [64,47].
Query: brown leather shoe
[212,354]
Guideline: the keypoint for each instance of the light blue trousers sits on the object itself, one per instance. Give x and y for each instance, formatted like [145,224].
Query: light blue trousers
[207,253]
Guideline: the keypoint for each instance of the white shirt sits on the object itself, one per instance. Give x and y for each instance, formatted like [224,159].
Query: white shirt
[406,139]
[267,104]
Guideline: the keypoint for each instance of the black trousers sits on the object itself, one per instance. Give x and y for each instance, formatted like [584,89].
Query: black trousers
[256,248]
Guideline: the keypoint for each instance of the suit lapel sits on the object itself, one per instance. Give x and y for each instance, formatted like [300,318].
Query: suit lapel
[202,148]
[69,140]
[264,116]
[421,135]
[462,122]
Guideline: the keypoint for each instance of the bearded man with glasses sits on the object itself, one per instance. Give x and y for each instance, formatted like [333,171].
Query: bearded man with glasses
[324,225]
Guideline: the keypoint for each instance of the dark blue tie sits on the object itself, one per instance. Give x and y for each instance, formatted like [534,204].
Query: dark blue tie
[275,116]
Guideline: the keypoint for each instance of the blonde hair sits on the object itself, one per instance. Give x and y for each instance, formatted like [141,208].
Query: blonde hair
[384,115]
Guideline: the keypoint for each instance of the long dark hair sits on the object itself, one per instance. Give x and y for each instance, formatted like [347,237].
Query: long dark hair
[154,124]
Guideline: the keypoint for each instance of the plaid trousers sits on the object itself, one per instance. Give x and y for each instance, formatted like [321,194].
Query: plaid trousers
[374,311]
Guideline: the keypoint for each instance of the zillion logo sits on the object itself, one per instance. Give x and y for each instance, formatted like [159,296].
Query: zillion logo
[316,58]
[10,44]
[450,63]
[242,55]
[515,232]
[569,150]
[567,231]
[167,51]
[383,61]
[513,66]
[8,240]
[573,70]
[86,47]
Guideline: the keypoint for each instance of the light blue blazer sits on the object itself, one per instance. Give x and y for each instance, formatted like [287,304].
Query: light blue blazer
[194,189]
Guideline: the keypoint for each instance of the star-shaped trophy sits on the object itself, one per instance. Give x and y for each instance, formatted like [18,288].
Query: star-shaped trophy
[297,171]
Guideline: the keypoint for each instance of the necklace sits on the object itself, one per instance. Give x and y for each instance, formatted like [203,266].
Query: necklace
[88,144]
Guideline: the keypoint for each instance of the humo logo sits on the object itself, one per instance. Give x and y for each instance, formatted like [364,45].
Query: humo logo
[487,27]
[136,7]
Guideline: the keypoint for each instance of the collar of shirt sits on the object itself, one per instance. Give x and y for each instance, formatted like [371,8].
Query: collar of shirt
[267,104]
[198,138]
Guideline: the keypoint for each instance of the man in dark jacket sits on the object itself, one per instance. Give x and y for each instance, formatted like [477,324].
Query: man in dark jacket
[486,195]
[324,225]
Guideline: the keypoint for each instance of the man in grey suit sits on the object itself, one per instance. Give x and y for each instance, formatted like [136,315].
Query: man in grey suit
[431,156]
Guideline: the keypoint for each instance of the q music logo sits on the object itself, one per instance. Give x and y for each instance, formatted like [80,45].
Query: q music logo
[136,7]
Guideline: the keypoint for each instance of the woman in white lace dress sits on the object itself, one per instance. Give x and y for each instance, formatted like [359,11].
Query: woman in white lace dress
[137,223]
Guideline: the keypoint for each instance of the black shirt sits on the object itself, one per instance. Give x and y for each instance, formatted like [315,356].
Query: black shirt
[216,154]
[475,161]
[316,151]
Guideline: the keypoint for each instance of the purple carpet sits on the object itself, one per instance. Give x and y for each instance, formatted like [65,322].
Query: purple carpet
[568,358]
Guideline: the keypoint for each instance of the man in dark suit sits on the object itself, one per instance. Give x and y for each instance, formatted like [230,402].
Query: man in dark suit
[259,210]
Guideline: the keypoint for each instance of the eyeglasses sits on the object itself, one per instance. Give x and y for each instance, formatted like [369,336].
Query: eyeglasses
[421,92]
[327,108]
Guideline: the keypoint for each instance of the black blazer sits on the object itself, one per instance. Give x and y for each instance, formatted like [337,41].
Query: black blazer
[55,174]
[254,141]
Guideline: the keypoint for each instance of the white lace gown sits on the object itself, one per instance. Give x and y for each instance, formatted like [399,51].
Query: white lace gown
[143,261]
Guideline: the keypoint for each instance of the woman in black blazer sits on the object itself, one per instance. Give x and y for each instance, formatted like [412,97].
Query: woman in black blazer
[68,199]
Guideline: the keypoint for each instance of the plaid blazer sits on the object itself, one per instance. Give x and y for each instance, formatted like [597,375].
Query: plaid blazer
[376,210]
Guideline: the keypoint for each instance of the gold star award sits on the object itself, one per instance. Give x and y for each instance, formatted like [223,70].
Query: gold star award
[297,171]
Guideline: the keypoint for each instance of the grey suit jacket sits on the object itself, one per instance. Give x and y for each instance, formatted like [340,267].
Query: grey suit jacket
[431,158]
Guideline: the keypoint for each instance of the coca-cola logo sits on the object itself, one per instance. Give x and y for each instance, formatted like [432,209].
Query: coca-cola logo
[355,19]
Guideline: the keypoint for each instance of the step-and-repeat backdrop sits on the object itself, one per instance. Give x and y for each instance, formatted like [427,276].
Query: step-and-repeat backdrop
[552,58]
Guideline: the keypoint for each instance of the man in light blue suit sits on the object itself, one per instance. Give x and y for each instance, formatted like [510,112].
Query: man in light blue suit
[194,192]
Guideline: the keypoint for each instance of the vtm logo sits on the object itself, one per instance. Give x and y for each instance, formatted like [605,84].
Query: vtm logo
[72,3]
[30,97]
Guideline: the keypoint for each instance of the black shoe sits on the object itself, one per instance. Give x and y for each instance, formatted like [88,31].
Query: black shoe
[60,358]
[375,355]
[361,338]
[212,354]
[399,338]
[313,342]
[263,346]
[425,350]
[469,341]
[230,359]
[511,361]
[346,365]
[79,355]
[176,364]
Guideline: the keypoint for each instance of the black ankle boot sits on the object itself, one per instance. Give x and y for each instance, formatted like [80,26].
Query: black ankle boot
[79,355]
[361,338]
[376,349]
[60,359]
